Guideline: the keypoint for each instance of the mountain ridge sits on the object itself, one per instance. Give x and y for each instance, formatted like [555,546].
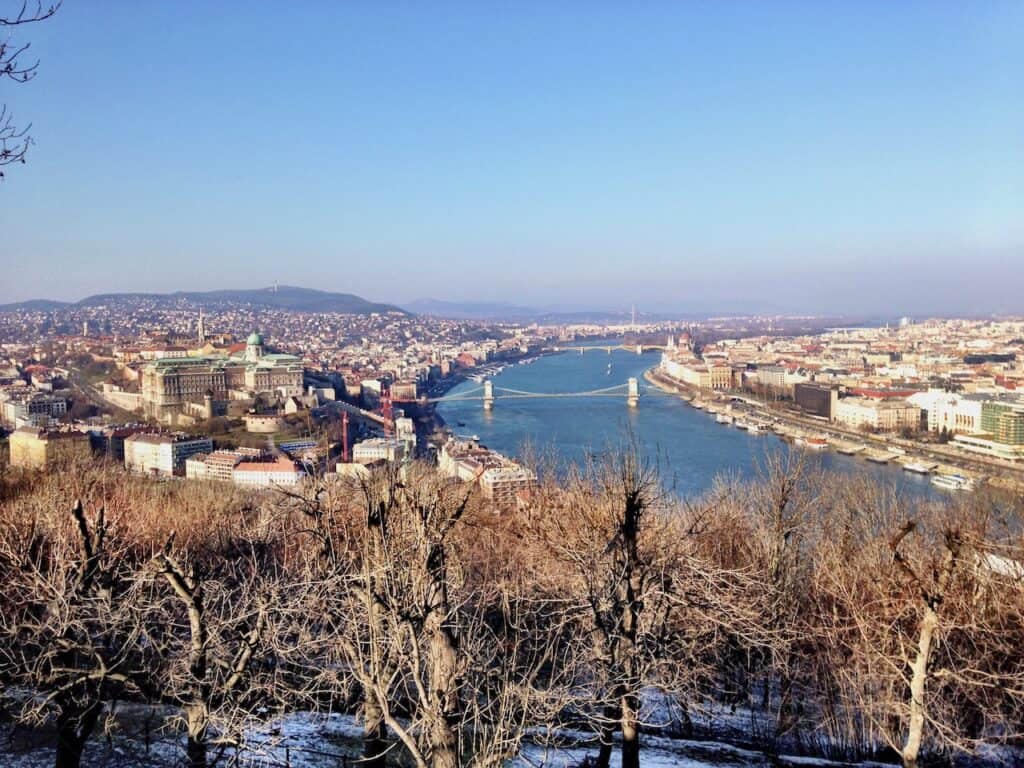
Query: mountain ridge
[286,297]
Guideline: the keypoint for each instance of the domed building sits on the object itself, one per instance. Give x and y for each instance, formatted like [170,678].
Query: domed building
[174,386]
[254,347]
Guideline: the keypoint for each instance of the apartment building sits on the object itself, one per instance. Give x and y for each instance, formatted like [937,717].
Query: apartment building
[162,455]
[505,487]
[35,448]
[219,465]
[883,415]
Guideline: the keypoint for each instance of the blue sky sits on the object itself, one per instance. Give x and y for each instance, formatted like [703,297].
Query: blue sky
[685,156]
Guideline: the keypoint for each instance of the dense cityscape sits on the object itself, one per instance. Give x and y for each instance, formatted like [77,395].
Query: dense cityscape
[266,396]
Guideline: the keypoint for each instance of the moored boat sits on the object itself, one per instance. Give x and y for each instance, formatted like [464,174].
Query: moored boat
[918,468]
[812,443]
[953,482]
[879,458]
[849,449]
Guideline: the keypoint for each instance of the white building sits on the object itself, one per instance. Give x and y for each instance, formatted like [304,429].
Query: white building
[697,374]
[32,410]
[884,415]
[405,430]
[990,448]
[773,376]
[387,449]
[504,486]
[268,473]
[951,411]
[162,454]
[219,465]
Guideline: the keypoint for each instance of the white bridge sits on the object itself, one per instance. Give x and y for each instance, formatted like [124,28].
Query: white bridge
[488,393]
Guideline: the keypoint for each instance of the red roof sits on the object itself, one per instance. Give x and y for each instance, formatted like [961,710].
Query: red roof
[882,393]
[280,464]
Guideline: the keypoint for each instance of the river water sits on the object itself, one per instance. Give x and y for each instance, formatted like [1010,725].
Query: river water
[689,445]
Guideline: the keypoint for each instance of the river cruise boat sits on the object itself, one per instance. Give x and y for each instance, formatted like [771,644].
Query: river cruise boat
[723,418]
[953,482]
[754,429]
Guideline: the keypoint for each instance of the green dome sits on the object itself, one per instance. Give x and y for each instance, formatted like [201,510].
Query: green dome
[254,340]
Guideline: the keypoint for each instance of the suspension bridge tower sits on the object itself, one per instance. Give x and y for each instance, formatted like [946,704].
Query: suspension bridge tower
[488,395]
[632,392]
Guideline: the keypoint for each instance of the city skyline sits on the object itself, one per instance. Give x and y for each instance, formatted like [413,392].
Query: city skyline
[687,159]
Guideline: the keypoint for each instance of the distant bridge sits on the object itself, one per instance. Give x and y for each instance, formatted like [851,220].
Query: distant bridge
[609,348]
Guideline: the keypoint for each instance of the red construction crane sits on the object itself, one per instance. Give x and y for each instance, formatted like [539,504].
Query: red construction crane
[344,436]
[387,411]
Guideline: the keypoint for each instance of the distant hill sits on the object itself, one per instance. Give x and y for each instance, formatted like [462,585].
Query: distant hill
[469,310]
[282,297]
[34,305]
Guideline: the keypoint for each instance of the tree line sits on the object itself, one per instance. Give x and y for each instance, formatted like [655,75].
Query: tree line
[827,613]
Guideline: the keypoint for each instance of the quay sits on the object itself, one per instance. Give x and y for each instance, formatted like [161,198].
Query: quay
[803,431]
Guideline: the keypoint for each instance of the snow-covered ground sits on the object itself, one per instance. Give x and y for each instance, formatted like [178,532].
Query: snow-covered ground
[306,740]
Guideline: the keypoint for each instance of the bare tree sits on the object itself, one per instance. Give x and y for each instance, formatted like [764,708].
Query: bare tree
[215,671]
[782,501]
[928,617]
[655,584]
[69,623]
[15,140]
[435,623]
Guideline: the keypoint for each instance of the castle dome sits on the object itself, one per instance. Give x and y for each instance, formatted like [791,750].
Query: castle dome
[254,340]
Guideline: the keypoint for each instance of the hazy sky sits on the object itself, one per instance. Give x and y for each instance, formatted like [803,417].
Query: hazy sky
[815,156]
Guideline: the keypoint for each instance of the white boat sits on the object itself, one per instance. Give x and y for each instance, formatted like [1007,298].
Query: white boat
[849,449]
[740,424]
[723,418]
[753,429]
[879,457]
[812,443]
[953,482]
[918,468]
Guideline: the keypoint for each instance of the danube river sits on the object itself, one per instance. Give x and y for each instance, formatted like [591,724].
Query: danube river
[691,447]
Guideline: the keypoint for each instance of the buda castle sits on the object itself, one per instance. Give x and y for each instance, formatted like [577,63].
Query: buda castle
[173,386]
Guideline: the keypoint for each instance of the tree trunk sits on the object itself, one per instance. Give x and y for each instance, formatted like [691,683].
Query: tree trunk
[443,693]
[786,720]
[197,718]
[612,716]
[74,727]
[915,726]
[375,743]
[630,731]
